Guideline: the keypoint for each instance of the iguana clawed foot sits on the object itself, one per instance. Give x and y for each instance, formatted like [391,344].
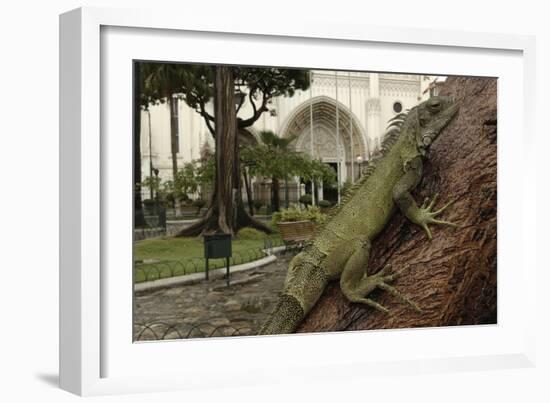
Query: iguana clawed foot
[426,216]
[381,280]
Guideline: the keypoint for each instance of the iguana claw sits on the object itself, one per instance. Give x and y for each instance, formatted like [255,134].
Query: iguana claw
[381,280]
[425,215]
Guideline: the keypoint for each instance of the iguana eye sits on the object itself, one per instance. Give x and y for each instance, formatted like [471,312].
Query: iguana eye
[426,140]
[434,105]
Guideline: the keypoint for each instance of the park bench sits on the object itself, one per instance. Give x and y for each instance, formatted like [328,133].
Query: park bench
[295,233]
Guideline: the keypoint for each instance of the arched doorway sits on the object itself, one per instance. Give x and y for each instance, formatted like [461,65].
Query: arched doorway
[318,117]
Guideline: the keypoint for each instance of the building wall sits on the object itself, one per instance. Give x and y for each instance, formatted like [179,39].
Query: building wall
[371,104]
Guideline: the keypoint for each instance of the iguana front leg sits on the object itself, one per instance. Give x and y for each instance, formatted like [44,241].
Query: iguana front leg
[356,284]
[421,216]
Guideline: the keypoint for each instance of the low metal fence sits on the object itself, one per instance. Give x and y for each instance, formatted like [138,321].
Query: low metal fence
[167,331]
[149,271]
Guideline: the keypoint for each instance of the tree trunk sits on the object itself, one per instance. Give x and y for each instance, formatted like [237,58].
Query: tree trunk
[275,199]
[174,140]
[139,219]
[452,278]
[226,212]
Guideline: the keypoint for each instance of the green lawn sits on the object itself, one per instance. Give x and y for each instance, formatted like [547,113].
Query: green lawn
[177,256]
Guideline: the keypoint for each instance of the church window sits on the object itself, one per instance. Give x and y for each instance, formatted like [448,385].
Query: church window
[397,107]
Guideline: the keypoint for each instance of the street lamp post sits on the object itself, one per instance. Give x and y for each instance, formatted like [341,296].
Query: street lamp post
[360,162]
[156,172]
[150,153]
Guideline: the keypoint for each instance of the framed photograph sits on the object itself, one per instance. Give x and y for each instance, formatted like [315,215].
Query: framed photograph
[234,201]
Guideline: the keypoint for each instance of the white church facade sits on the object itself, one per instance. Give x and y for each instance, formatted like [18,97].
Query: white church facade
[340,120]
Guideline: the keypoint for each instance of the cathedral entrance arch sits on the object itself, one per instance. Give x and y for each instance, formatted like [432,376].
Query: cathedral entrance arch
[318,117]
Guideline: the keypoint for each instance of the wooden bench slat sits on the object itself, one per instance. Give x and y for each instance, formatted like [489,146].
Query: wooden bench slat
[298,231]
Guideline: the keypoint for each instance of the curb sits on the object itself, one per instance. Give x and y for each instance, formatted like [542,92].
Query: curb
[198,277]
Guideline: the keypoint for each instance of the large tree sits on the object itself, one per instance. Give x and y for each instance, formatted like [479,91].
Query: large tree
[255,86]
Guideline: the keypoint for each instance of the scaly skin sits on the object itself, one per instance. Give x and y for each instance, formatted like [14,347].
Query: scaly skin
[340,250]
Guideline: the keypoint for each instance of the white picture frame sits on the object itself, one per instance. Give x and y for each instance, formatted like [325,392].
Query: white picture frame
[97,357]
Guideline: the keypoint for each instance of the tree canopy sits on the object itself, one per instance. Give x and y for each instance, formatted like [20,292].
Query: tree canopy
[257,85]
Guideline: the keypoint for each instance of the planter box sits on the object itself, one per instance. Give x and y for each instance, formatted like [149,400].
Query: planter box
[296,231]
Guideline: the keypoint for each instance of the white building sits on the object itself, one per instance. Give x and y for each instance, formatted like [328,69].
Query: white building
[349,112]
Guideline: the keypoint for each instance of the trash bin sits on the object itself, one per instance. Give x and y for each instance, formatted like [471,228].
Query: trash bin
[217,246]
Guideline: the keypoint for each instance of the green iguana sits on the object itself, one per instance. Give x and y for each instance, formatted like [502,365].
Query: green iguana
[340,249]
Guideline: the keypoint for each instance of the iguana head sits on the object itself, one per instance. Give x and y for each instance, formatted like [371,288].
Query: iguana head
[432,116]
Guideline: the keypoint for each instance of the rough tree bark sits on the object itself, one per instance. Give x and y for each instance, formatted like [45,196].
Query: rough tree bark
[452,278]
[174,145]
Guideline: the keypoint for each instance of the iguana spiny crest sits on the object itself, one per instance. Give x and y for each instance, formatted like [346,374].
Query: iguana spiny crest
[341,247]
[419,127]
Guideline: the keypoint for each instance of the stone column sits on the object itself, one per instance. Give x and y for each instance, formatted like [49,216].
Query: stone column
[374,110]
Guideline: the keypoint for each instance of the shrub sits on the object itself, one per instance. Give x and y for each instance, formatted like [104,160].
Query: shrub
[199,203]
[149,205]
[169,200]
[183,198]
[250,234]
[306,199]
[186,201]
[324,203]
[291,214]
[257,204]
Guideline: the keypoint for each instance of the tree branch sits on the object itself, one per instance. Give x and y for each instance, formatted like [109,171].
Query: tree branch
[208,119]
[257,112]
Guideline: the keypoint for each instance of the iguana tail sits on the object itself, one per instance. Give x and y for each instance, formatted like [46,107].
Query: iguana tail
[285,318]
[304,284]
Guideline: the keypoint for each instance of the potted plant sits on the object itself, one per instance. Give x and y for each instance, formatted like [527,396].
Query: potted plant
[297,225]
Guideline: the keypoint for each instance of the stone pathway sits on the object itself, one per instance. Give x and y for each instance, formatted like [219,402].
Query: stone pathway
[210,309]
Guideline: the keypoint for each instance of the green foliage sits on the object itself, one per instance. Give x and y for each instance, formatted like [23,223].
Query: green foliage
[185,183]
[324,203]
[274,158]
[317,171]
[194,84]
[194,174]
[250,233]
[153,183]
[205,171]
[306,199]
[257,204]
[160,81]
[292,214]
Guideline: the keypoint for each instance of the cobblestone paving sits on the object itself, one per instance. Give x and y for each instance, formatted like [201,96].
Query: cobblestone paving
[209,308]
